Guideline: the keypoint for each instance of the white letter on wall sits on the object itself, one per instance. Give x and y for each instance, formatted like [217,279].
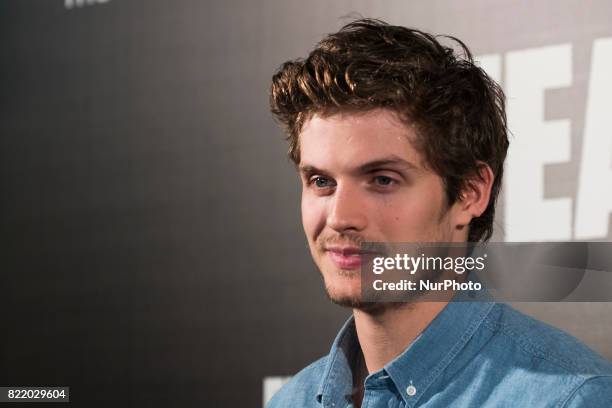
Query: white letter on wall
[491,64]
[271,385]
[594,197]
[534,143]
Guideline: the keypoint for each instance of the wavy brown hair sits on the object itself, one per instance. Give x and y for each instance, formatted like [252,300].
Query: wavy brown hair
[457,110]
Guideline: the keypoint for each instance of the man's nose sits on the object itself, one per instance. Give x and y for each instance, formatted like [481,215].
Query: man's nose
[346,211]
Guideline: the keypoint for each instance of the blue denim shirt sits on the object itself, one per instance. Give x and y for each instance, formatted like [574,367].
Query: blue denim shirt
[473,354]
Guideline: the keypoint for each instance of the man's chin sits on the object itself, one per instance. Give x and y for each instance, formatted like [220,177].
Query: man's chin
[373,308]
[353,301]
[343,287]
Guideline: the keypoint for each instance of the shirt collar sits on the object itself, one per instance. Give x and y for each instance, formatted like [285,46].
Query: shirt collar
[334,387]
[420,364]
[427,357]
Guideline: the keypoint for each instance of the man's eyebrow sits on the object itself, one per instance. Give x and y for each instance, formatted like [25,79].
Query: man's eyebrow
[307,169]
[393,160]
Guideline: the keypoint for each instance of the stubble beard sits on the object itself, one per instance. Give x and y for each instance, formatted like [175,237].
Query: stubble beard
[355,301]
[378,307]
[352,301]
[372,308]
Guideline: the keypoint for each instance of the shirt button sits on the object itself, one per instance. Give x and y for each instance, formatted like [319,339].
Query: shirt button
[411,390]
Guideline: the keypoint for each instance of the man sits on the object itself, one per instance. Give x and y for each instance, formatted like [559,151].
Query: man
[399,139]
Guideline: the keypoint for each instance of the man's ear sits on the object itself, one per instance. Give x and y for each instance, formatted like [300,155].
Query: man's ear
[474,197]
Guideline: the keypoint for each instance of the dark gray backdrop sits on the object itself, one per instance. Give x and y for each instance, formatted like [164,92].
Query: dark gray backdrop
[152,246]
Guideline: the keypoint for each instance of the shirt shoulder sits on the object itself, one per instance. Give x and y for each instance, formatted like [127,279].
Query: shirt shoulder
[544,342]
[595,392]
[301,390]
[549,366]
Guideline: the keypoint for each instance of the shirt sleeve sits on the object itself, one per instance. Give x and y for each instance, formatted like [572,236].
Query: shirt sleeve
[595,392]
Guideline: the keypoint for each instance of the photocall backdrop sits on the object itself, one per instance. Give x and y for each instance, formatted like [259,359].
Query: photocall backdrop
[152,245]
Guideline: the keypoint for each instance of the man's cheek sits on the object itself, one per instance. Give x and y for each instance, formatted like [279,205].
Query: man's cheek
[311,220]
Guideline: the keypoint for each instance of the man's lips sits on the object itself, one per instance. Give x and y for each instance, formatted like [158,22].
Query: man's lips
[346,257]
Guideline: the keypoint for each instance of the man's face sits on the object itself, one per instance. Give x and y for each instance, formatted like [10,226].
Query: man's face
[362,181]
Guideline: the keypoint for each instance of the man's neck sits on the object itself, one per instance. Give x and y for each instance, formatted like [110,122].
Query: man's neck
[384,336]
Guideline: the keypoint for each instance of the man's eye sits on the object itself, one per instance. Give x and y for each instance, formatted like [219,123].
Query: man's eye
[321,182]
[383,180]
